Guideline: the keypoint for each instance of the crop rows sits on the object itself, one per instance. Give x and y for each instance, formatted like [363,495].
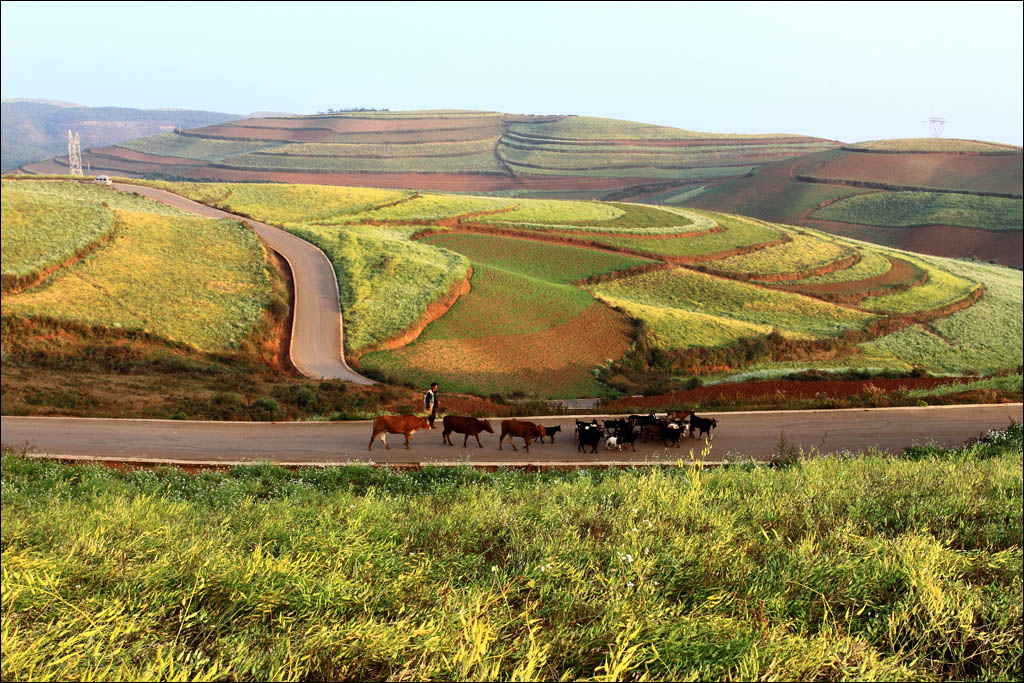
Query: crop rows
[341,150]
[803,252]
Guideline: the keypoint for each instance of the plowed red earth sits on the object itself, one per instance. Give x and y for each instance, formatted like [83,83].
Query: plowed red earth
[132,155]
[790,389]
[971,173]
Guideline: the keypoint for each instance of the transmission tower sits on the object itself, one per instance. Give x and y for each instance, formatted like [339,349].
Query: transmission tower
[936,124]
[74,154]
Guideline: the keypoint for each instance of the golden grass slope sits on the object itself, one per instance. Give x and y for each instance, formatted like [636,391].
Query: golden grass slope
[189,280]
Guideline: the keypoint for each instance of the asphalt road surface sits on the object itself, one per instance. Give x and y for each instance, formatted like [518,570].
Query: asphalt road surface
[740,434]
[316,346]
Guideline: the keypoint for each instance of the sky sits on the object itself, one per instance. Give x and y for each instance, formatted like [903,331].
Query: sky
[838,70]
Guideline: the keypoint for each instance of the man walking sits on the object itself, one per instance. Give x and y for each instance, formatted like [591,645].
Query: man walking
[430,403]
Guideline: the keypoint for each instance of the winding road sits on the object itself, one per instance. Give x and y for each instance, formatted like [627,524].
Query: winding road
[739,435]
[316,350]
[316,340]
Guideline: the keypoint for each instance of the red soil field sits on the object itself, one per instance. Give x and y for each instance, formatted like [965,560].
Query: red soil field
[963,172]
[789,389]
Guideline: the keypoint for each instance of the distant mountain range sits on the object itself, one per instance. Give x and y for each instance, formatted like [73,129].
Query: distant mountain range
[33,130]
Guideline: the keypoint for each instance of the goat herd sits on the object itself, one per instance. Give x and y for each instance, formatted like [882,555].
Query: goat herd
[618,434]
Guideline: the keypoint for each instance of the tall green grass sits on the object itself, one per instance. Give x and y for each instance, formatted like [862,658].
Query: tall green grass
[842,568]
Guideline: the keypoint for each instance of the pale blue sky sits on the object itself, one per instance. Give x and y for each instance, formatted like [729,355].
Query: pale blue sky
[846,71]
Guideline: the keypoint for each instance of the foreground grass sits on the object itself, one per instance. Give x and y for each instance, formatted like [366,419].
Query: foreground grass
[856,567]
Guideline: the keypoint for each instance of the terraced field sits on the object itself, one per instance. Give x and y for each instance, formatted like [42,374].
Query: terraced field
[449,151]
[562,290]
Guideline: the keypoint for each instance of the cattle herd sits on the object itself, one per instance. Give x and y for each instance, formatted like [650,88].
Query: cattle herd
[618,434]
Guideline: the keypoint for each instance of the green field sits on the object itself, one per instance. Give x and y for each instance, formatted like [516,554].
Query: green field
[848,567]
[904,209]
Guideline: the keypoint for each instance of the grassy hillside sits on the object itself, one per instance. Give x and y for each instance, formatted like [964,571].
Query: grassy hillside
[710,292]
[451,151]
[158,271]
[934,196]
[851,567]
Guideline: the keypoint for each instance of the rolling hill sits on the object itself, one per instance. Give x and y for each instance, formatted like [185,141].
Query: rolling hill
[455,151]
[958,198]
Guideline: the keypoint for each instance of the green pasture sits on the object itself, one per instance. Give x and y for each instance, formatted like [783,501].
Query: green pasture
[198,148]
[685,290]
[846,567]
[189,280]
[904,209]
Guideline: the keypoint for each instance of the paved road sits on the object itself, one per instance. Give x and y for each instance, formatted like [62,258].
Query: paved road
[754,434]
[316,346]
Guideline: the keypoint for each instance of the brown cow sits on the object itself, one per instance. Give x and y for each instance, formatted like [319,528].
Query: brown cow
[397,424]
[527,431]
[470,426]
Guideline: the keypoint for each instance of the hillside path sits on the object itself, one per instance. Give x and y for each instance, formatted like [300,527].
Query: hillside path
[739,434]
[317,329]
